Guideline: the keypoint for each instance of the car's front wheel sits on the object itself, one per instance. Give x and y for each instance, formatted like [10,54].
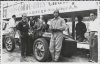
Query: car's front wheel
[41,50]
[9,43]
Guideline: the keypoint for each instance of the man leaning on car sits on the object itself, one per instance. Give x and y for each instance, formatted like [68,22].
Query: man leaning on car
[11,25]
[57,26]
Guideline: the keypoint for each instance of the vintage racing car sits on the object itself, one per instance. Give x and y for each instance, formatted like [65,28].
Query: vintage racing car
[40,44]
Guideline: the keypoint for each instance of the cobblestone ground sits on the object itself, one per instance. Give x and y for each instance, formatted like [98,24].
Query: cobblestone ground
[15,57]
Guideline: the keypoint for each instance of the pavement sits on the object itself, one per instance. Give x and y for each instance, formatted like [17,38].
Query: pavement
[15,56]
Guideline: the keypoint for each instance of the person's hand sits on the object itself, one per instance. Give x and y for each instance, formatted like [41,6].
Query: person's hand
[30,32]
[61,28]
[21,35]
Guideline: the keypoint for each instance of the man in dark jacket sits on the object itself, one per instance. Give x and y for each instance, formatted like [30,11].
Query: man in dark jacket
[23,27]
[80,29]
[31,22]
[31,37]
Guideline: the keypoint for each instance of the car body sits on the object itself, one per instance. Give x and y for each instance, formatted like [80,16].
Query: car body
[69,45]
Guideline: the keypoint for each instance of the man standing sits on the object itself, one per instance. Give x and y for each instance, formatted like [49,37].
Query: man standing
[41,19]
[93,28]
[11,25]
[23,27]
[66,31]
[80,29]
[57,26]
[31,37]
[31,22]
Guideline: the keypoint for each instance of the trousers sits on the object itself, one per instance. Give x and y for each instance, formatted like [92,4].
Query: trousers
[24,44]
[56,45]
[30,46]
[93,41]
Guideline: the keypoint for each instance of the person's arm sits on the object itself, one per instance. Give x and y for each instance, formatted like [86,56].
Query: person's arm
[40,26]
[69,31]
[18,26]
[50,24]
[34,26]
[44,22]
[12,23]
[63,25]
[50,27]
[91,27]
[76,27]
[28,26]
[5,25]
[37,26]
[84,28]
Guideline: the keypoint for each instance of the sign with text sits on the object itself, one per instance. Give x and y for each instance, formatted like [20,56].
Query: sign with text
[42,8]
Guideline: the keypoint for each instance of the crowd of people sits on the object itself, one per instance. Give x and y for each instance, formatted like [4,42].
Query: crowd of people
[58,26]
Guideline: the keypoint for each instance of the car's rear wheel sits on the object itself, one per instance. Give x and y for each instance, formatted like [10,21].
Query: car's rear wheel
[9,43]
[41,50]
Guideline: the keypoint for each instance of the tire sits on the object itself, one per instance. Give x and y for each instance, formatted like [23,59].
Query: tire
[36,50]
[10,46]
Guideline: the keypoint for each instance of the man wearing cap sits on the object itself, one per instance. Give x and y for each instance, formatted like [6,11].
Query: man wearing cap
[23,27]
[57,26]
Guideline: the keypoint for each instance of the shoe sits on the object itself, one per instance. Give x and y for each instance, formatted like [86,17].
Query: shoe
[52,61]
[93,61]
[22,59]
[90,61]
[55,60]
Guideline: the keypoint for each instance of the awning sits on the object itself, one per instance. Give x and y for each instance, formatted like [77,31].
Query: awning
[69,7]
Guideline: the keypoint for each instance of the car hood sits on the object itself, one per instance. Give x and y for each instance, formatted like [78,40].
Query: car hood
[66,37]
[46,34]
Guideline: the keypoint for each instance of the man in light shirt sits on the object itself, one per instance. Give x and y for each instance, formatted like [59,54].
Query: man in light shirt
[11,25]
[66,31]
[93,28]
[41,19]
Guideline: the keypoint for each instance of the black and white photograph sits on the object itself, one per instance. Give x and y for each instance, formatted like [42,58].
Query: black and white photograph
[49,31]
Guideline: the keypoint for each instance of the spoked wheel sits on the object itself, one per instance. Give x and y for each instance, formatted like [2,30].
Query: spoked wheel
[41,50]
[9,44]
